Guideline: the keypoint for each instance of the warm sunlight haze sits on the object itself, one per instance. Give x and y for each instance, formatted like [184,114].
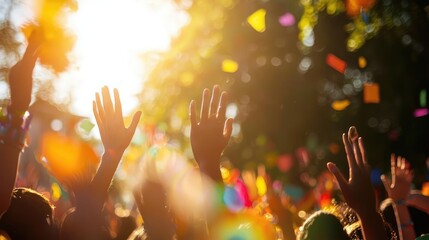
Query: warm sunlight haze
[115,46]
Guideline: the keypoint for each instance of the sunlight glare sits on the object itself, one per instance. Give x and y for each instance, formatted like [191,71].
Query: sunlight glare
[112,38]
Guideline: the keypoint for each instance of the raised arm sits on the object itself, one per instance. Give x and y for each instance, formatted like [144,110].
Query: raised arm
[398,190]
[13,127]
[211,132]
[115,137]
[357,190]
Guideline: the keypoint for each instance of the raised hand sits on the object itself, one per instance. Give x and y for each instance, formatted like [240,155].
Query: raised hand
[114,135]
[210,134]
[402,176]
[21,74]
[398,190]
[357,190]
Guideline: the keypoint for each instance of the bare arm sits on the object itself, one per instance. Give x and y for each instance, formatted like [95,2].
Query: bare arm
[20,83]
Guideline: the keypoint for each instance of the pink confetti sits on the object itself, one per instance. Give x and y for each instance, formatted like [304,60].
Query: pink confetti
[287,19]
[420,112]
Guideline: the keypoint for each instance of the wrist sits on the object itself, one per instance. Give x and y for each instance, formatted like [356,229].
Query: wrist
[14,127]
[113,154]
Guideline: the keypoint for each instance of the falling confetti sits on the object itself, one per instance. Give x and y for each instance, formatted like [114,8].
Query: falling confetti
[287,19]
[257,20]
[362,62]
[229,66]
[340,105]
[371,93]
[421,112]
[336,63]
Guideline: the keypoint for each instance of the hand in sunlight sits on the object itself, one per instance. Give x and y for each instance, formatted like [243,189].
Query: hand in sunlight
[402,176]
[114,135]
[210,135]
[357,190]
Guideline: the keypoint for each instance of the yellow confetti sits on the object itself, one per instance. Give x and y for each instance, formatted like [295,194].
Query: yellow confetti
[340,105]
[362,62]
[229,66]
[56,192]
[257,20]
[261,186]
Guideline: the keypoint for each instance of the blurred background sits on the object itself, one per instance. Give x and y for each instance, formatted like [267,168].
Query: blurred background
[298,73]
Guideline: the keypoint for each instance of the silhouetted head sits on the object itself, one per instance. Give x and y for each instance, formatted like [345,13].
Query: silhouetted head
[322,225]
[29,216]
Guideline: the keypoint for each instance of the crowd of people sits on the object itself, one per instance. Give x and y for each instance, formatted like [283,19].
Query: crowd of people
[200,205]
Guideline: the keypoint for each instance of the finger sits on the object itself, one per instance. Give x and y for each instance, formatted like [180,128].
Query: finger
[97,117]
[393,167]
[386,183]
[227,131]
[214,102]
[192,114]
[338,176]
[100,108]
[118,105]
[221,112]
[358,152]
[402,163]
[363,152]
[107,101]
[132,128]
[205,105]
[350,155]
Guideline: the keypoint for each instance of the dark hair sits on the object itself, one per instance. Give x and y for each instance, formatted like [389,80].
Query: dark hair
[322,225]
[29,216]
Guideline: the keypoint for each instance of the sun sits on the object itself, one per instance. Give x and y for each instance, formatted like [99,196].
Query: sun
[112,40]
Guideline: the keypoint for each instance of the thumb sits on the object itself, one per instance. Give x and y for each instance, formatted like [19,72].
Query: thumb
[338,175]
[134,122]
[386,182]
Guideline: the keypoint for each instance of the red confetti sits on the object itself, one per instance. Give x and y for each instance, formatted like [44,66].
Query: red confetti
[336,63]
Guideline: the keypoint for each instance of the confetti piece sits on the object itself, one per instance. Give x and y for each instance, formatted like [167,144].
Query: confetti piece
[257,20]
[287,19]
[371,93]
[340,105]
[229,66]
[56,192]
[423,98]
[336,63]
[261,186]
[86,125]
[420,112]
[362,62]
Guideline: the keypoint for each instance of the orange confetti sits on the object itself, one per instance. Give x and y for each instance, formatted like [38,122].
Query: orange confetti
[362,62]
[340,105]
[371,93]
[336,63]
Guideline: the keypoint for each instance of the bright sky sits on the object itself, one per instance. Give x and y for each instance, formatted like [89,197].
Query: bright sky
[115,45]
